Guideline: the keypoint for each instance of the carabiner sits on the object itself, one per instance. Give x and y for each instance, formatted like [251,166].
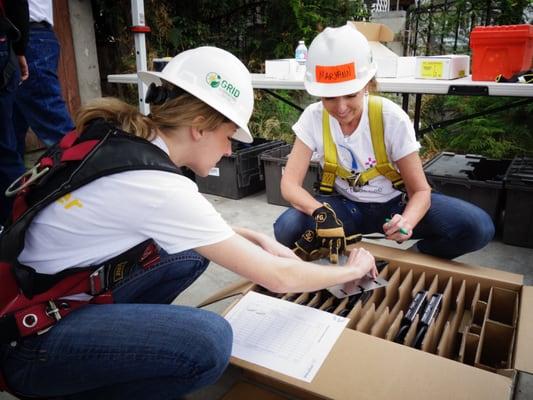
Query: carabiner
[33,174]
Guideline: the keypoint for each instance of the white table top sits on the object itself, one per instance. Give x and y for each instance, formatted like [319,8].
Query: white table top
[391,85]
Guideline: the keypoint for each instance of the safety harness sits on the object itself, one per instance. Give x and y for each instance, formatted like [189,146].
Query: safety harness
[30,302]
[332,168]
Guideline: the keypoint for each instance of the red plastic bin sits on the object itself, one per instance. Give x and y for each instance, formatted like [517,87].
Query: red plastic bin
[506,50]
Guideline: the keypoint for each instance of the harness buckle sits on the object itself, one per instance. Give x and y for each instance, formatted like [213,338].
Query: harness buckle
[353,181]
[97,281]
[53,311]
[32,175]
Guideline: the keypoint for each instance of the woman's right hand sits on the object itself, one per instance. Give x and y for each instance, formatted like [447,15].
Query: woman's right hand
[364,261]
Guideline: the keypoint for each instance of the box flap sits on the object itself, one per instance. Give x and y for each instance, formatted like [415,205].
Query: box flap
[240,287]
[378,369]
[524,339]
[460,270]
[374,32]
[380,51]
[245,390]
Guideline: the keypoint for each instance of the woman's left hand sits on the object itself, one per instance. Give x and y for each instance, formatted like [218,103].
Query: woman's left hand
[274,247]
[398,228]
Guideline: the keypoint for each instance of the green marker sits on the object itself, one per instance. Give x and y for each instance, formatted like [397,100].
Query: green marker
[402,230]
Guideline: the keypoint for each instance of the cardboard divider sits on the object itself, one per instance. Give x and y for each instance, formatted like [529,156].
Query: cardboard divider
[450,344]
[391,292]
[445,338]
[380,326]
[303,298]
[367,320]
[468,349]
[411,333]
[479,313]
[503,306]
[404,291]
[495,346]
[443,313]
[394,327]
[354,315]
[419,285]
[429,338]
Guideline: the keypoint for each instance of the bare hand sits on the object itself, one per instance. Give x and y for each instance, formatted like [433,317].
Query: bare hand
[398,229]
[364,261]
[276,248]
[24,70]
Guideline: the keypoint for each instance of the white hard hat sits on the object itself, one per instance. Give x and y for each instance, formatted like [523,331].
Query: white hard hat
[216,77]
[339,62]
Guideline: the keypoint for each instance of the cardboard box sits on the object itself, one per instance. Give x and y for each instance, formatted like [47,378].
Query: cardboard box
[450,66]
[390,65]
[287,68]
[485,320]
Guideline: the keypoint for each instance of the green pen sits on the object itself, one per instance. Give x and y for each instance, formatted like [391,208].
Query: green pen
[402,230]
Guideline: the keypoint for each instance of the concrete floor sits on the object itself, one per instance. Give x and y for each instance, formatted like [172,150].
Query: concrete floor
[254,212]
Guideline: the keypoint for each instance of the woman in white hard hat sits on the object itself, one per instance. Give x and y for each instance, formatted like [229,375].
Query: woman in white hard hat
[373,179]
[141,347]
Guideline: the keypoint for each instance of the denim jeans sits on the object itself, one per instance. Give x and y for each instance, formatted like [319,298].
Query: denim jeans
[39,103]
[451,227]
[138,348]
[11,162]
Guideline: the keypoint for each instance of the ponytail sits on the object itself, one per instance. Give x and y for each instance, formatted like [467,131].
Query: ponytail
[117,113]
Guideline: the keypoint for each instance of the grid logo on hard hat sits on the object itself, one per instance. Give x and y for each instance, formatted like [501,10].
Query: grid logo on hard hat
[216,81]
[213,79]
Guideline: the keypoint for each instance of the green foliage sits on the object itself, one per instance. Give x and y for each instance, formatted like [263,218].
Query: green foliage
[252,30]
[502,134]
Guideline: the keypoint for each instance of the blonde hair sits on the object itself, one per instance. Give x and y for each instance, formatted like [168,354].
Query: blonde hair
[182,110]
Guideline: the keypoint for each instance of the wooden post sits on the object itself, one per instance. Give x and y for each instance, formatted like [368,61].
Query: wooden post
[68,75]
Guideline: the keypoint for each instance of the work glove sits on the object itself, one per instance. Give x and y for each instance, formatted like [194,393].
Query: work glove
[307,247]
[330,232]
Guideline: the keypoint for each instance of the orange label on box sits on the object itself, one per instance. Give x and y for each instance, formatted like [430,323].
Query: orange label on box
[335,73]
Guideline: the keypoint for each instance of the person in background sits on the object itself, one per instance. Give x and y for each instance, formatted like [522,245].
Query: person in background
[13,70]
[38,101]
[373,180]
[141,347]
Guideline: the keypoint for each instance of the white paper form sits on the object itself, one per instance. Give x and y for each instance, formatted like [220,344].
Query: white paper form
[285,337]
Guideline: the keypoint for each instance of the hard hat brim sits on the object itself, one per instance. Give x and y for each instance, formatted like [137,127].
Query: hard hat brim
[242,133]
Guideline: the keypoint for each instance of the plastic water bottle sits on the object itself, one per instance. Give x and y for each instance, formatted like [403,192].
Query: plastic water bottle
[300,54]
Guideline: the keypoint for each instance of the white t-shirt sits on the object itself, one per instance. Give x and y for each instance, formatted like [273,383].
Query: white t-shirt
[112,214]
[41,10]
[355,152]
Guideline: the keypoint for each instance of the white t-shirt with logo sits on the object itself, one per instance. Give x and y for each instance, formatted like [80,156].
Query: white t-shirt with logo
[114,213]
[355,152]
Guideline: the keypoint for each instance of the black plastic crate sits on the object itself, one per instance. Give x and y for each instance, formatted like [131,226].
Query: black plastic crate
[241,173]
[274,162]
[518,216]
[473,178]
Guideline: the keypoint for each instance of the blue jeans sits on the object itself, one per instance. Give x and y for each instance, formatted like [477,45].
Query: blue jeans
[451,227]
[39,103]
[138,348]
[11,162]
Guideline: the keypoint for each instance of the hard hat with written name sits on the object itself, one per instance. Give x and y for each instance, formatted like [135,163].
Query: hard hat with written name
[216,77]
[339,62]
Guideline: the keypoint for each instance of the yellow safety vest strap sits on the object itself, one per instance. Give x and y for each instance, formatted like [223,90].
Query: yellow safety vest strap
[383,166]
[331,166]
